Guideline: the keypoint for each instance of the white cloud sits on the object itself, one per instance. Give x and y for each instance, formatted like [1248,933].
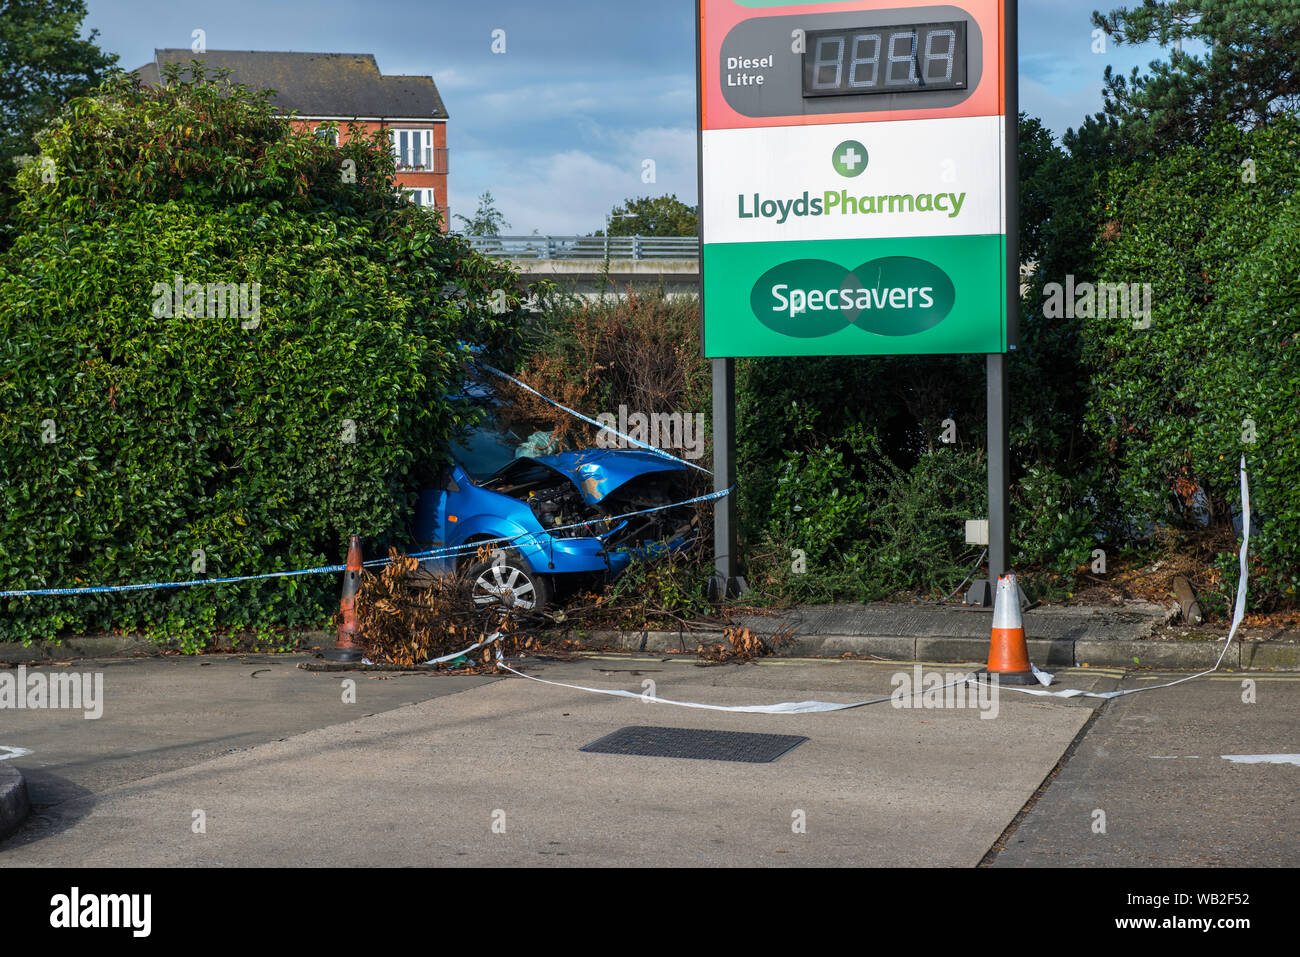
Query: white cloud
[452,79]
[569,192]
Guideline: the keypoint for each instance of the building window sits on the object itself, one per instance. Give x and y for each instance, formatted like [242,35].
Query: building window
[413,148]
[327,134]
[425,199]
[421,197]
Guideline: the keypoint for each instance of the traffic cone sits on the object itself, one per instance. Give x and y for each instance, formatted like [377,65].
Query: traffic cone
[1008,651]
[348,647]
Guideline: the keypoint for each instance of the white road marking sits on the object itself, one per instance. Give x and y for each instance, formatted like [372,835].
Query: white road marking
[9,751]
[1262,758]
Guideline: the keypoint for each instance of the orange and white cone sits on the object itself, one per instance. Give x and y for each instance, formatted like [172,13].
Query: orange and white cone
[1008,650]
[348,647]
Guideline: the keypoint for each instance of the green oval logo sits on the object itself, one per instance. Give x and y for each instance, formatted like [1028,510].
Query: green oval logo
[891,296]
[804,298]
[901,296]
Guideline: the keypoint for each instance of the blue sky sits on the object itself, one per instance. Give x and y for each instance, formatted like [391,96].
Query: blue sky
[559,125]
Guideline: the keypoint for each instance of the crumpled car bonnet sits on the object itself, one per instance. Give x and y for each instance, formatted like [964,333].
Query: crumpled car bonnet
[597,472]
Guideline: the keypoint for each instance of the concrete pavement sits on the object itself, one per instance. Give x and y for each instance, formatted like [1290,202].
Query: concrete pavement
[252,761]
[1153,766]
[493,774]
[162,713]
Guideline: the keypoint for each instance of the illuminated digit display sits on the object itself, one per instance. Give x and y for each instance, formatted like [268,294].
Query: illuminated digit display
[921,57]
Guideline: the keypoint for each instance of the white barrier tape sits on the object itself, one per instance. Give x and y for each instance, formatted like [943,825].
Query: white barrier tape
[785,707]
[817,707]
[1238,613]
[474,647]
[814,707]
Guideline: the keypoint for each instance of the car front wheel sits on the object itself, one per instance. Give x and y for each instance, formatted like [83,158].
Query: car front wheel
[507,580]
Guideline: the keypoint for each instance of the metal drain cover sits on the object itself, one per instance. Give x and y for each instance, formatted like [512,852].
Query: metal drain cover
[695,743]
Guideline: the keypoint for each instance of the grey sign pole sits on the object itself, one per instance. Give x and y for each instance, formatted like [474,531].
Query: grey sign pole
[998,387]
[726,579]
[999,495]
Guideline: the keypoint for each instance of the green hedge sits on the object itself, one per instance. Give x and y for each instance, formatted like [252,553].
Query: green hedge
[1216,238]
[263,443]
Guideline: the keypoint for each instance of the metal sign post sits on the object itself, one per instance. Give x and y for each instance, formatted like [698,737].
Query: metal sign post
[999,486]
[999,445]
[727,582]
[857,196]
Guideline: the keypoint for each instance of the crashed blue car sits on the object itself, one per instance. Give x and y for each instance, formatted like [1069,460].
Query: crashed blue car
[559,513]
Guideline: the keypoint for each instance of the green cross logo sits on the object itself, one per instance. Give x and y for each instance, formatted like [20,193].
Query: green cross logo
[849,158]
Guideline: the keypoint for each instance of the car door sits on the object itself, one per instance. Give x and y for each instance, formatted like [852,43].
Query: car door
[430,530]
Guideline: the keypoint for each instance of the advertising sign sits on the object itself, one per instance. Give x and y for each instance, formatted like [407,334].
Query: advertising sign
[853,178]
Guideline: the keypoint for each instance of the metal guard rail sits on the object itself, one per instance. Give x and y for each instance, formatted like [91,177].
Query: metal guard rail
[587,247]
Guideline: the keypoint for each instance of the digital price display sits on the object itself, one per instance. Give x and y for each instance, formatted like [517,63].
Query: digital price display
[919,57]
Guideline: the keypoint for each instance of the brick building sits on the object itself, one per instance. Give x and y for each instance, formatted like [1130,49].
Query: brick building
[343,87]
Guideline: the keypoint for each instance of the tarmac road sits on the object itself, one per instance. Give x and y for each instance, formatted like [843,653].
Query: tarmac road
[445,770]
[1153,764]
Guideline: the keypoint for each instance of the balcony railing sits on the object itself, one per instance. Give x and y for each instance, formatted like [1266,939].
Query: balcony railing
[434,161]
[587,247]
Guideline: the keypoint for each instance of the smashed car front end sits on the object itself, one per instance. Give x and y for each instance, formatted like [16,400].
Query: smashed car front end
[588,511]
[599,508]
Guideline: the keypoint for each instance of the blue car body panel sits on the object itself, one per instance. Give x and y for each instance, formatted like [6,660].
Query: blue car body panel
[448,517]
[597,472]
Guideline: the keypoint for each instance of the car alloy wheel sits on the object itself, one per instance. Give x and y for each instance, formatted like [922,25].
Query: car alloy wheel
[508,582]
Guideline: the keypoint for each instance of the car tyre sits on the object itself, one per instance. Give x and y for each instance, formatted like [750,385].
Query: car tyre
[507,580]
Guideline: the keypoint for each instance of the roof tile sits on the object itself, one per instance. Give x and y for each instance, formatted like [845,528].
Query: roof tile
[316,84]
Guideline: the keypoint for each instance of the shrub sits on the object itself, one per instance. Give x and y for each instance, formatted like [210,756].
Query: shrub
[868,529]
[1215,376]
[145,444]
[640,351]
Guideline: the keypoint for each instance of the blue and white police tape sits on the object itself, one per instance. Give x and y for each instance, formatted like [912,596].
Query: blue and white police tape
[523,537]
[474,647]
[784,707]
[787,707]
[1238,612]
[101,589]
[450,551]
[815,707]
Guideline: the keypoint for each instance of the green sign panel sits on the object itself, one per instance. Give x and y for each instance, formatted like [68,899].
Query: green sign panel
[876,297]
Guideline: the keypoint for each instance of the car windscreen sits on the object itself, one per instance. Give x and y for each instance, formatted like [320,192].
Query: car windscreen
[485,449]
